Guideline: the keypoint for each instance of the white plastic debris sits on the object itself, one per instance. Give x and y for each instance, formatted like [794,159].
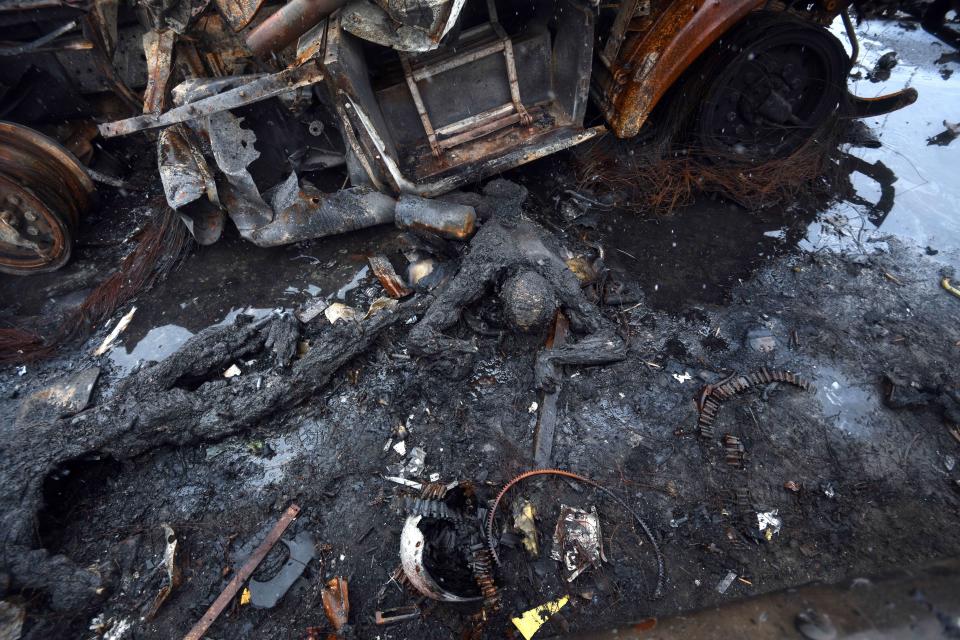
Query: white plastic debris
[400,447]
[416,462]
[533,407]
[117,330]
[682,378]
[312,309]
[232,372]
[434,477]
[768,523]
[577,541]
[404,482]
[724,584]
[22,370]
[339,311]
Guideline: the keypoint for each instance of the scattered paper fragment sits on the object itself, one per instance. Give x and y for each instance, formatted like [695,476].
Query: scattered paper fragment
[339,311]
[530,621]
[726,582]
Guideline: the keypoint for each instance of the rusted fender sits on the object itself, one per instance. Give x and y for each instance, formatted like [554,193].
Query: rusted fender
[654,62]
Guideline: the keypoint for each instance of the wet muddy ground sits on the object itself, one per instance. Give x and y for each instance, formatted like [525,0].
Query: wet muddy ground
[845,294]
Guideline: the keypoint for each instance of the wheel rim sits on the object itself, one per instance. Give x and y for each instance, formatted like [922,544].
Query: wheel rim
[775,93]
[33,237]
[43,192]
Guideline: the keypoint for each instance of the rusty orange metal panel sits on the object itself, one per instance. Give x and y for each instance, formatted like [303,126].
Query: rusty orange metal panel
[649,65]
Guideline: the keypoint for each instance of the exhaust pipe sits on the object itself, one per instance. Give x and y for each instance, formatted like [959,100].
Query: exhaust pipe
[287,24]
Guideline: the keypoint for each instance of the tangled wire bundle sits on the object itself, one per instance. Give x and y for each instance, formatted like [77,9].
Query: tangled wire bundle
[663,177]
[160,247]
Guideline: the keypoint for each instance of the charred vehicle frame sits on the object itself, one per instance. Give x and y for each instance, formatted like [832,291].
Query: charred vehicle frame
[318,117]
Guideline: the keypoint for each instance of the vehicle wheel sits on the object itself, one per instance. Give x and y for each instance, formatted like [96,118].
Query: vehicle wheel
[772,84]
[43,192]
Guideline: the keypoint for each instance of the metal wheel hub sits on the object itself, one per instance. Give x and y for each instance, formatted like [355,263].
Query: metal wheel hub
[775,91]
[43,192]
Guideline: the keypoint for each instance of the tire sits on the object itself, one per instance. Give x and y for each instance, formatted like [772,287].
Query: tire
[771,84]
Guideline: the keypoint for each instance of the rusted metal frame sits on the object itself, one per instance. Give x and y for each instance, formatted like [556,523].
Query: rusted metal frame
[398,614]
[480,130]
[66,44]
[851,36]
[353,141]
[241,576]
[469,123]
[478,125]
[654,62]
[92,31]
[512,74]
[158,46]
[430,70]
[288,23]
[238,13]
[857,107]
[353,122]
[256,91]
[514,158]
[628,9]
[421,107]
[35,45]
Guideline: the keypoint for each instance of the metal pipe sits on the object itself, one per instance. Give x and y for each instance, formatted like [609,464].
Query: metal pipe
[288,23]
[852,36]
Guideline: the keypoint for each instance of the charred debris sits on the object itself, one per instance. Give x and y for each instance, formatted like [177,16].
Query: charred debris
[308,119]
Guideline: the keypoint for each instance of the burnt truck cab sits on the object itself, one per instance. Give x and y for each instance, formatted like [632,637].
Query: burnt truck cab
[263,112]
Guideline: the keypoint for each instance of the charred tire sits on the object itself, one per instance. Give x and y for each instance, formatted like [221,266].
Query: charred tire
[770,86]
[44,190]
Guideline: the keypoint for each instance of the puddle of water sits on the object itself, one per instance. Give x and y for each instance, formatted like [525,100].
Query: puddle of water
[848,405]
[160,342]
[927,192]
[353,284]
[699,253]
[219,282]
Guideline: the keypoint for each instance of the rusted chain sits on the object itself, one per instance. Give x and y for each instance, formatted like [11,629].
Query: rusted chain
[592,483]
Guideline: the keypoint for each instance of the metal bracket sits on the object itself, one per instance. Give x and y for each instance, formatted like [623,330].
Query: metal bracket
[481,124]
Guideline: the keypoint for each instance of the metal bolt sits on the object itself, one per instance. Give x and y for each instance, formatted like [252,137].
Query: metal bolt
[30,216]
[13,199]
[32,230]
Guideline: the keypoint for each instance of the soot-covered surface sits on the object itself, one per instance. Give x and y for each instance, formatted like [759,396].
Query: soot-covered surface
[848,298]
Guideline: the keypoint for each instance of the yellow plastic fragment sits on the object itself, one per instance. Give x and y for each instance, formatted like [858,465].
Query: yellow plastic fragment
[530,621]
[245,596]
[945,283]
[524,519]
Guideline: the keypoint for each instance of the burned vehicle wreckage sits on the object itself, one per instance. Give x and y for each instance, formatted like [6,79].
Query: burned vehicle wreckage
[322,116]
[512,370]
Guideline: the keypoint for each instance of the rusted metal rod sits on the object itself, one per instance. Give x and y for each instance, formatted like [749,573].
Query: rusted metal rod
[290,22]
[243,574]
